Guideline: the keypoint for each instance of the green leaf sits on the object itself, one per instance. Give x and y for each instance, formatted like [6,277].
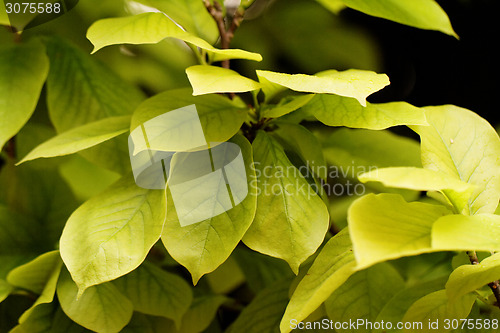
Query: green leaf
[395,309]
[464,145]
[34,275]
[192,15]
[335,6]
[226,278]
[331,268]
[156,292]
[80,138]
[213,79]
[423,14]
[458,232]
[220,119]
[49,318]
[437,306]
[364,295]
[298,139]
[335,110]
[111,234]
[81,90]
[357,84]
[5,290]
[151,28]
[23,69]
[291,219]
[4,18]
[40,276]
[384,227]
[264,313]
[101,308]
[467,278]
[415,179]
[285,106]
[203,246]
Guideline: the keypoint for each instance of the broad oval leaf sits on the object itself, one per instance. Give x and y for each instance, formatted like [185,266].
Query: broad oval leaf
[335,110]
[465,146]
[436,306]
[23,69]
[156,292]
[384,227]
[423,14]
[203,246]
[101,308]
[285,106]
[151,28]
[357,84]
[219,117]
[467,278]
[364,295]
[291,219]
[480,232]
[80,138]
[331,268]
[213,79]
[111,234]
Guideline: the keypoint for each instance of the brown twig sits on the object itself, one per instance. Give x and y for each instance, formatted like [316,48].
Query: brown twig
[494,286]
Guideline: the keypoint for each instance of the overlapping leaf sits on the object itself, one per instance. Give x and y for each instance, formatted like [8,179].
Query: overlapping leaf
[213,79]
[80,138]
[463,145]
[357,84]
[203,246]
[151,28]
[331,268]
[101,309]
[384,227]
[333,110]
[291,219]
[111,234]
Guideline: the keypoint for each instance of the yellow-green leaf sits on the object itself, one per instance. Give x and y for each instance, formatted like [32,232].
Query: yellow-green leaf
[357,84]
[212,79]
[151,28]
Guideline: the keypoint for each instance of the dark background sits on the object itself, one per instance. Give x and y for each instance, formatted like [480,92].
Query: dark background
[425,67]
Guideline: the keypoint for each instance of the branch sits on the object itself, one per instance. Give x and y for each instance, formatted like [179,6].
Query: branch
[494,286]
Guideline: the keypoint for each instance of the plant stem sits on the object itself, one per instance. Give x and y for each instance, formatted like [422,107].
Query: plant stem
[494,286]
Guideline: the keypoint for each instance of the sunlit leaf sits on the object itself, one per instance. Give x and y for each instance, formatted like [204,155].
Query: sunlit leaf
[364,295]
[459,232]
[333,110]
[151,28]
[384,227]
[351,83]
[201,247]
[467,278]
[436,306]
[111,234]
[291,219]
[423,14]
[463,145]
[331,268]
[213,79]
[80,138]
